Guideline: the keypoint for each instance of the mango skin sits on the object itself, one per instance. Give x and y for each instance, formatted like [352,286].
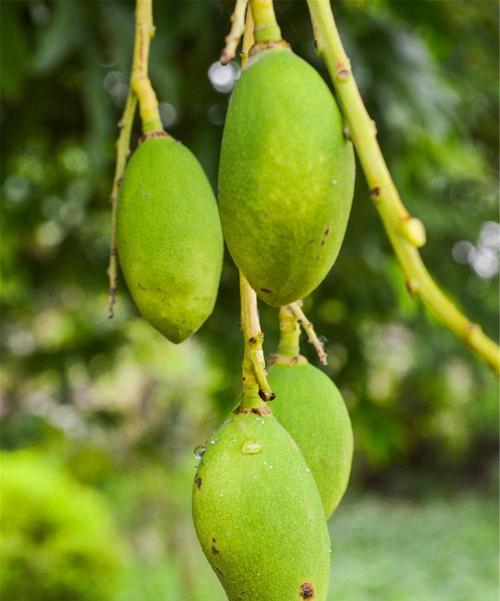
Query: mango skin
[169,237]
[258,516]
[310,407]
[286,177]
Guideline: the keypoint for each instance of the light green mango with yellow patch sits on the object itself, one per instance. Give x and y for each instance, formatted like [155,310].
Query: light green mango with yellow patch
[310,407]
[286,177]
[258,513]
[169,237]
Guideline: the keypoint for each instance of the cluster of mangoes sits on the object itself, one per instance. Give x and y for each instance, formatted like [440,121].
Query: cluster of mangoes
[271,473]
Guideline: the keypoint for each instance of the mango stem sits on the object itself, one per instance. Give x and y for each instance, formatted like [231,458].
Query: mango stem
[266,26]
[289,345]
[256,389]
[141,84]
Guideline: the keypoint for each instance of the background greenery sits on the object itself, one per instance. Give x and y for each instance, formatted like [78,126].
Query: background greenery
[110,411]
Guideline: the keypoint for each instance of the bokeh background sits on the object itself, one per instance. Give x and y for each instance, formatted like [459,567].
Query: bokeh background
[100,417]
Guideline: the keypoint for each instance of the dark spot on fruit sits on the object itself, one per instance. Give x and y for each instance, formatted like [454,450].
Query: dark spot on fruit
[215,551]
[317,257]
[214,540]
[197,481]
[139,285]
[266,290]
[262,395]
[322,243]
[219,571]
[252,340]
[375,192]
[328,229]
[307,590]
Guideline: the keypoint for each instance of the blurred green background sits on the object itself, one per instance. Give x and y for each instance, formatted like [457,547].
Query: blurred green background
[99,417]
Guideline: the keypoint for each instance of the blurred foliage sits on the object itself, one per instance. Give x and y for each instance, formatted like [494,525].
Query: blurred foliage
[121,407]
[58,540]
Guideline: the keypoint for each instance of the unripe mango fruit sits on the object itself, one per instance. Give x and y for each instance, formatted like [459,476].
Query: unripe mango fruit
[286,177]
[310,407]
[169,237]
[258,514]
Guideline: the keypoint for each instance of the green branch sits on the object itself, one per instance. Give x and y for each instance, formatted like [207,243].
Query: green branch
[405,233]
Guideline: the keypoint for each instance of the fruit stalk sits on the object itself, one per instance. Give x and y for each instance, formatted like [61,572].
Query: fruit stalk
[405,233]
[289,345]
[122,153]
[266,26]
[237,29]
[141,85]
[256,389]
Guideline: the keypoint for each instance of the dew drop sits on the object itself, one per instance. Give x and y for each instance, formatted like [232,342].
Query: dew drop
[199,451]
[251,447]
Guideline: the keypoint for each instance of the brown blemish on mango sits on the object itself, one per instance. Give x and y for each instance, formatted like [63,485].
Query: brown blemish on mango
[307,590]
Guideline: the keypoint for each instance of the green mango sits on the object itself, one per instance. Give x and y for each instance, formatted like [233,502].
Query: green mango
[286,177]
[169,237]
[310,407]
[258,514]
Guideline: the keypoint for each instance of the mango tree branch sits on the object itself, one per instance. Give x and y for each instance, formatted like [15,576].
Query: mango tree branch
[122,153]
[405,233]
[237,29]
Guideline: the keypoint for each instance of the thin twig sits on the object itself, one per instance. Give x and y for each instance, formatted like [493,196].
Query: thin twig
[309,330]
[237,29]
[122,152]
[405,233]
